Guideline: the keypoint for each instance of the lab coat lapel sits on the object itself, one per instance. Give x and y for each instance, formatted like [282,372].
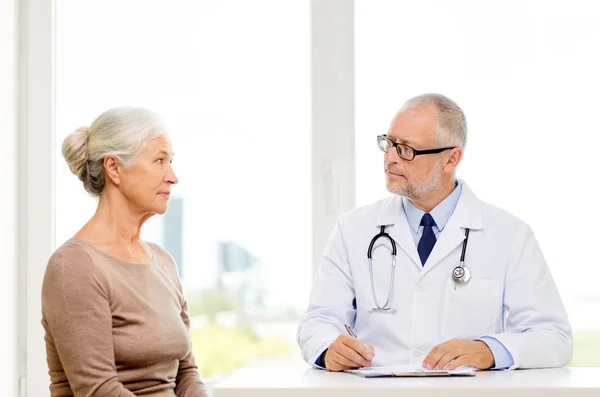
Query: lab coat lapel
[393,214]
[466,215]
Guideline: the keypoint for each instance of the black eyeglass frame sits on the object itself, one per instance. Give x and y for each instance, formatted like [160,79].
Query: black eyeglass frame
[411,149]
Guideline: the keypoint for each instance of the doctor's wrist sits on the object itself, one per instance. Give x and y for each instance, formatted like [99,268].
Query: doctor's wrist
[321,360]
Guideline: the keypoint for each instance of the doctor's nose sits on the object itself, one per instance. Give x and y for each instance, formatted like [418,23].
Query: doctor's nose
[391,156]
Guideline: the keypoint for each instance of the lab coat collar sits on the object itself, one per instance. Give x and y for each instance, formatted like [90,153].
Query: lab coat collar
[393,216]
[468,214]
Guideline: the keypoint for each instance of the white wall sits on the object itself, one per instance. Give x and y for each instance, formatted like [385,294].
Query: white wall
[8,202]
[530,98]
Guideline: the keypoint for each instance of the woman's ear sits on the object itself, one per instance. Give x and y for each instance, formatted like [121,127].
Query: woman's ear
[112,169]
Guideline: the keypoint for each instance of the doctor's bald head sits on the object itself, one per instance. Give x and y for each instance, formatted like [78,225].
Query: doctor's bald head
[451,129]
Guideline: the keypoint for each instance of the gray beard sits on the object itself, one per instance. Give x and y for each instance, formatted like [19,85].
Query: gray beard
[418,191]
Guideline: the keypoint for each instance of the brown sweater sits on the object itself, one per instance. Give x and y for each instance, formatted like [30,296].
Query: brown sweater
[116,329]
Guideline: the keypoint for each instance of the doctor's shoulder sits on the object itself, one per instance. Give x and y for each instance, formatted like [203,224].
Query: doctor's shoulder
[500,220]
[369,211]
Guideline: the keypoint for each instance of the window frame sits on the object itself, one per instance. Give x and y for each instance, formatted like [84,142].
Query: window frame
[35,184]
[333,157]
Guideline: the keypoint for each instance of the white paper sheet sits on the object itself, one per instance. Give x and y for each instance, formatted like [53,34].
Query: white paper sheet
[409,371]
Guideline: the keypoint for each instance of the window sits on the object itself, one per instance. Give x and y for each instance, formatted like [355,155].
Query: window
[232,81]
[526,79]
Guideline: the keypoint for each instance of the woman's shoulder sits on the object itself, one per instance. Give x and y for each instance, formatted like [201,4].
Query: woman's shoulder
[74,256]
[160,253]
[162,257]
[72,250]
[74,274]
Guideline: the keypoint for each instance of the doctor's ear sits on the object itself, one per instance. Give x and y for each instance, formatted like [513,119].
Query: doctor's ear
[453,159]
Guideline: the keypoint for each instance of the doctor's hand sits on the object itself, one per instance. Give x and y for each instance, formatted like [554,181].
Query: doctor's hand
[347,352]
[457,352]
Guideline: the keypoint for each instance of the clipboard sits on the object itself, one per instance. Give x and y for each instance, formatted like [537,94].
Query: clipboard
[409,371]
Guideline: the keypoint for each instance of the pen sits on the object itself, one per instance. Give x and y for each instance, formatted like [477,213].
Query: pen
[350,332]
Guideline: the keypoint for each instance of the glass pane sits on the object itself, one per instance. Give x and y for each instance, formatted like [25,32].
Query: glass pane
[523,89]
[227,77]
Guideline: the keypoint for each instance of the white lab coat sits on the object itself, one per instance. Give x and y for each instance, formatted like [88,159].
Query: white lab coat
[511,295]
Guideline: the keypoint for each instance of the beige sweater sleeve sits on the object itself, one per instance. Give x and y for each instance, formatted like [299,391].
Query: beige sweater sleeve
[76,308]
[188,380]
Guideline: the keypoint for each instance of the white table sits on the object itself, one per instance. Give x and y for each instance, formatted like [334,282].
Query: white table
[306,382]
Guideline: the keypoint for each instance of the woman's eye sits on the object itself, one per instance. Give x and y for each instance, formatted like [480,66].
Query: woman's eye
[160,161]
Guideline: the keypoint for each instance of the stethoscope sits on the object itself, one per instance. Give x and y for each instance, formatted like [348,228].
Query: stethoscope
[460,274]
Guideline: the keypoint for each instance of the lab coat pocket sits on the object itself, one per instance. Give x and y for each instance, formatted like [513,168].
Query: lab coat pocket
[471,310]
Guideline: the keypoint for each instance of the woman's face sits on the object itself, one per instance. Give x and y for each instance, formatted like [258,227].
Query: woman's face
[147,183]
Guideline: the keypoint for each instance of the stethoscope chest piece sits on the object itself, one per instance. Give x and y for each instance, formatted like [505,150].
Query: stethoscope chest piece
[461,275]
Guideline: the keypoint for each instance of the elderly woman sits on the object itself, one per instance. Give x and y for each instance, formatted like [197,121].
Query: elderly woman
[113,308]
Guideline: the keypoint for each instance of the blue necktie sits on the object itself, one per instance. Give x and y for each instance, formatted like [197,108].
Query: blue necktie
[427,238]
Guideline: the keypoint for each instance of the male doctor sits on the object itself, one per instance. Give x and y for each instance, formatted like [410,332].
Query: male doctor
[502,310]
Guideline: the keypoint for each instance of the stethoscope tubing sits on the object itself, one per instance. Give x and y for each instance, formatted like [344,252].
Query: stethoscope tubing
[461,274]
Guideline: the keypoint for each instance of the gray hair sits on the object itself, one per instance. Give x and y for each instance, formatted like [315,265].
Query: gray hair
[120,132]
[452,124]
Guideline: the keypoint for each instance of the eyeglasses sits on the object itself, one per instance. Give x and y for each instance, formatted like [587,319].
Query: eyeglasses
[404,151]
